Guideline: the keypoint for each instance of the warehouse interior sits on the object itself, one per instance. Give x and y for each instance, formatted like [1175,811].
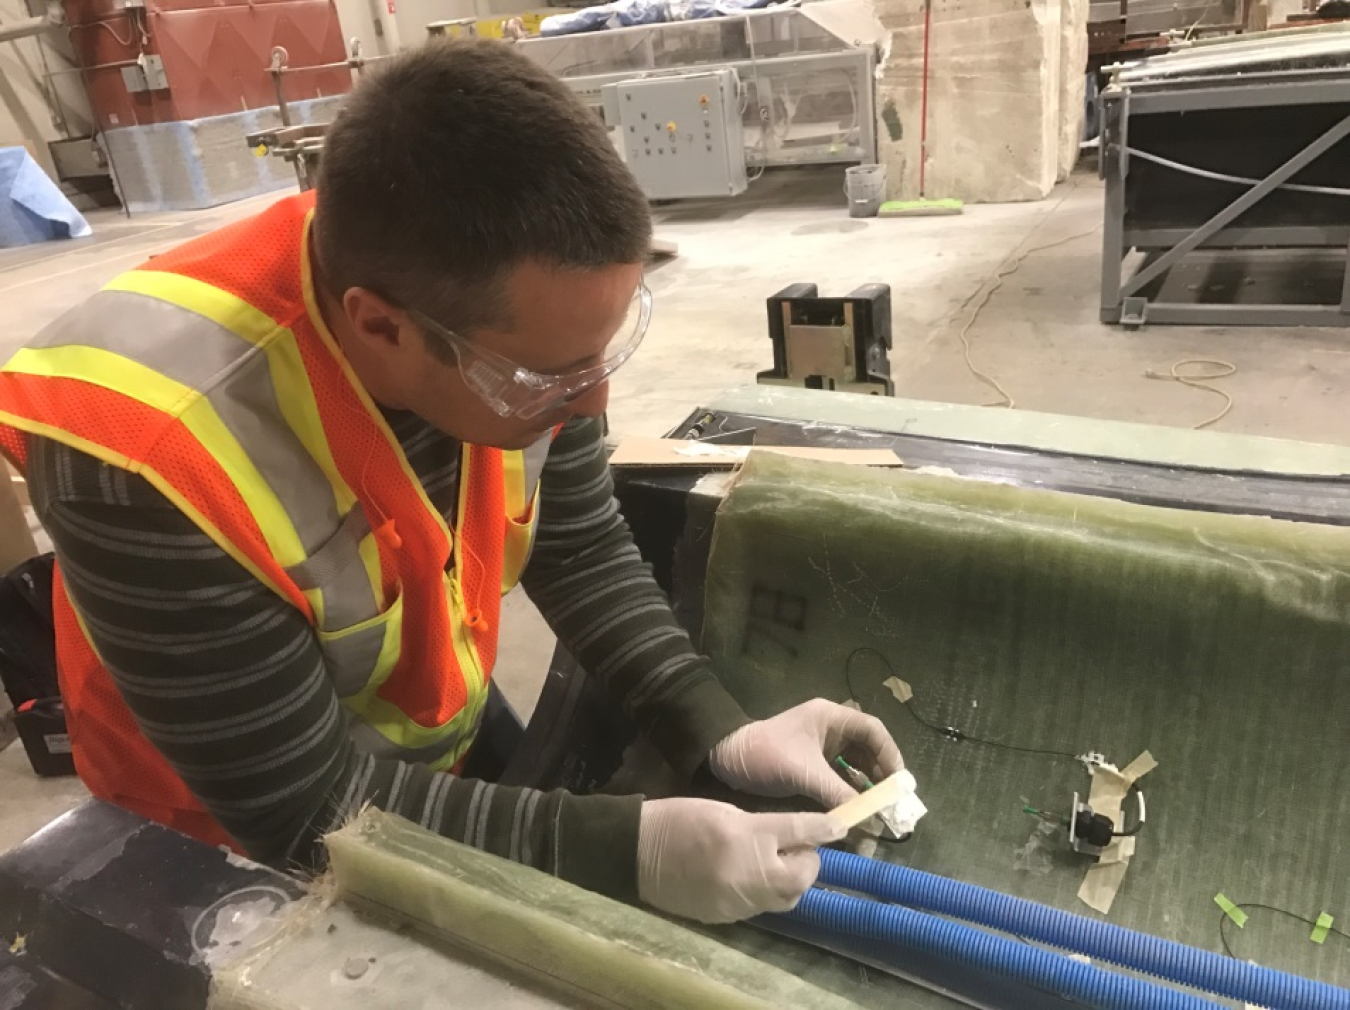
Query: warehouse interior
[1078,273]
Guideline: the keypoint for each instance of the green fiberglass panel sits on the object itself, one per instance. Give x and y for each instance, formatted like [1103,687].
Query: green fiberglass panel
[584,945]
[1063,623]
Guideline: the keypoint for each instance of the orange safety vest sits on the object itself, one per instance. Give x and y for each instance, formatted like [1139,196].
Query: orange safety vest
[210,372]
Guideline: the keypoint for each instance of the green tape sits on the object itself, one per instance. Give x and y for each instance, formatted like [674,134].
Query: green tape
[1231,910]
[1323,927]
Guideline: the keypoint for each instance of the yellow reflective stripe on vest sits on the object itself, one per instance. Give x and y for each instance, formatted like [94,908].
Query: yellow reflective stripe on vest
[521,472]
[298,406]
[155,478]
[235,372]
[384,730]
[361,657]
[303,473]
[139,382]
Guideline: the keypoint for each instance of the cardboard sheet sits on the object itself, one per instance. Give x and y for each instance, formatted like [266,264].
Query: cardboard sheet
[1218,642]
[685,452]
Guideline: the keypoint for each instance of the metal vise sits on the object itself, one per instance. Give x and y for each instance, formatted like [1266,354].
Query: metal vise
[831,343]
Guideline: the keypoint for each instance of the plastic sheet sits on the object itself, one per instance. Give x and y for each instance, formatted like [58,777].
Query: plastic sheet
[32,207]
[627,13]
[1065,624]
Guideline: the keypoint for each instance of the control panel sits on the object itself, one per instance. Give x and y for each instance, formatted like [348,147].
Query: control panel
[681,134]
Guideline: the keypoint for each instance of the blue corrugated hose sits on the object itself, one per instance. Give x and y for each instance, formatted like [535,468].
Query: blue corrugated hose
[1103,941]
[1042,969]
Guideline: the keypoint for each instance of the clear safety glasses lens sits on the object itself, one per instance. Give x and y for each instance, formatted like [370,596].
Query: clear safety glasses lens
[510,389]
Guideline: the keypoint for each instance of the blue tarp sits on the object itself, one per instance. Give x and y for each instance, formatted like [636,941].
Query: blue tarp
[32,208]
[626,13]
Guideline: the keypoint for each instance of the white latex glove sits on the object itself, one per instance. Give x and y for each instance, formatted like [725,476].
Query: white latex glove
[790,754]
[710,861]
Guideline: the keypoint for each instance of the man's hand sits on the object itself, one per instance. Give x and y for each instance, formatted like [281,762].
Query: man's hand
[712,862]
[790,754]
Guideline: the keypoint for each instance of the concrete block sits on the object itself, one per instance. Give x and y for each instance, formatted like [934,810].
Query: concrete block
[993,98]
[1073,53]
[192,164]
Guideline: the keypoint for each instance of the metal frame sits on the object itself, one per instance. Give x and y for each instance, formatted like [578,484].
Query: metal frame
[301,145]
[759,73]
[1122,297]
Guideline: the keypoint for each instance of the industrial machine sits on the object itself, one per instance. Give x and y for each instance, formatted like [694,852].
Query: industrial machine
[1130,28]
[697,109]
[1226,200]
[928,581]
[803,92]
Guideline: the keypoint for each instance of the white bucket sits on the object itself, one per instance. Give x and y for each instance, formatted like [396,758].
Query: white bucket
[865,187]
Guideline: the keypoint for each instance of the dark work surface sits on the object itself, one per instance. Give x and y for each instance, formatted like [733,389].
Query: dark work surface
[108,902]
[26,985]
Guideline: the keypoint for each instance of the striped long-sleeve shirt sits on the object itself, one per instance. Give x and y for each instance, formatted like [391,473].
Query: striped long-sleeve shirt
[227,680]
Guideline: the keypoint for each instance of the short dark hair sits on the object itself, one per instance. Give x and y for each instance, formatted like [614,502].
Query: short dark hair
[458,161]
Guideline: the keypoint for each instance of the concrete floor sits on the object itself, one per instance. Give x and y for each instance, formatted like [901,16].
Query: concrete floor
[1038,335]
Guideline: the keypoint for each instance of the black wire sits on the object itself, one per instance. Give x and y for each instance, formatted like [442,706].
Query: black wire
[1223,918]
[950,732]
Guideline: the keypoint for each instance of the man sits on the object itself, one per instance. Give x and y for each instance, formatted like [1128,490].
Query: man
[290,468]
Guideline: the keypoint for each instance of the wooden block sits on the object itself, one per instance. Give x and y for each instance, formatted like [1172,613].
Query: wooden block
[868,804]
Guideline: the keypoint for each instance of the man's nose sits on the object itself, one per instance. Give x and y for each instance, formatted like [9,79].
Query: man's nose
[591,403]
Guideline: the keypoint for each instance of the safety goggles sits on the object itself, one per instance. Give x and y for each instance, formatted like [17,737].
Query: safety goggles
[510,389]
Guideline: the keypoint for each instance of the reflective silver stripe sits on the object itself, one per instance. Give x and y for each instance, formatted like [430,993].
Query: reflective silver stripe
[335,569]
[230,372]
[369,740]
[236,380]
[533,458]
[350,660]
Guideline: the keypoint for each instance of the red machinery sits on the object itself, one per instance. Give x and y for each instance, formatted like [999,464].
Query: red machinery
[156,61]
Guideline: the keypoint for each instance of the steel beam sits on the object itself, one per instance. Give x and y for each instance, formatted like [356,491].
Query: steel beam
[1215,314]
[27,28]
[1270,237]
[1144,101]
[1239,206]
[1115,167]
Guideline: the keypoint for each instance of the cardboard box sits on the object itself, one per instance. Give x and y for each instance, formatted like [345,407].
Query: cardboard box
[712,456]
[16,542]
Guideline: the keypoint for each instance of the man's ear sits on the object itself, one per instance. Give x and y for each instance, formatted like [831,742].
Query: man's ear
[376,322]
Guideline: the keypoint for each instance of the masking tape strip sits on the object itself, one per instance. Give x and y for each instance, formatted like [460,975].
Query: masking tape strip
[1323,927]
[1231,910]
[1107,796]
[902,691]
